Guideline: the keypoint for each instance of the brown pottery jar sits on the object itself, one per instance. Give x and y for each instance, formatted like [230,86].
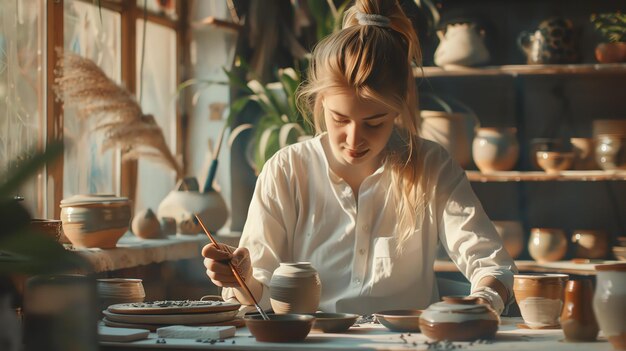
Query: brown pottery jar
[577,319]
[458,319]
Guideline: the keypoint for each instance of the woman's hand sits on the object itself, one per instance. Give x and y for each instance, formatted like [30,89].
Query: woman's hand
[216,261]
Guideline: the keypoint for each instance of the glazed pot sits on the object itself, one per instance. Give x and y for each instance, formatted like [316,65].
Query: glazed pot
[495,149]
[611,52]
[611,151]
[609,303]
[552,42]
[577,319]
[512,235]
[458,319]
[95,220]
[547,244]
[295,288]
[590,243]
[540,298]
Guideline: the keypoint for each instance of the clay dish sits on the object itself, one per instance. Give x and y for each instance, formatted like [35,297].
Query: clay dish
[400,320]
[280,327]
[555,161]
[333,322]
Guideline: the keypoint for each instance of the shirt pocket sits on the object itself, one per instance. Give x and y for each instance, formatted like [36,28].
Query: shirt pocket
[383,265]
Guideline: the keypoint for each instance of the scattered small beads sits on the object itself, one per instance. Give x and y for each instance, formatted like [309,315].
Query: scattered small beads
[161,341]
[181,303]
[211,341]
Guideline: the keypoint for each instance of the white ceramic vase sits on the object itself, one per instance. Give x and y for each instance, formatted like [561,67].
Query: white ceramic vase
[495,149]
[609,303]
[295,288]
[183,205]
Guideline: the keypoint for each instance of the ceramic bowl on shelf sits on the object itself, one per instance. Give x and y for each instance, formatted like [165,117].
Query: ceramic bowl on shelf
[95,220]
[333,322]
[400,320]
[547,244]
[458,319]
[553,162]
[620,253]
[280,327]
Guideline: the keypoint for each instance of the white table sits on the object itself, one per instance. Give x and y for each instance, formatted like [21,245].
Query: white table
[376,337]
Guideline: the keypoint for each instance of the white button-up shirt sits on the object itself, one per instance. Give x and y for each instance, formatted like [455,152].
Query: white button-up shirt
[302,211]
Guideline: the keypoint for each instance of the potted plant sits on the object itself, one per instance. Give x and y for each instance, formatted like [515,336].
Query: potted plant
[612,27]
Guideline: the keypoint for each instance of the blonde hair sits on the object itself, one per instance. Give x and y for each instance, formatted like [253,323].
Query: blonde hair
[376,60]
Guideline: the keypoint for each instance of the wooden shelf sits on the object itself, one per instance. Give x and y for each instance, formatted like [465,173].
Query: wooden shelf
[523,70]
[566,267]
[516,176]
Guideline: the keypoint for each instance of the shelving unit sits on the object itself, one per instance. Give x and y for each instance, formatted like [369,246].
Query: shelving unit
[538,176]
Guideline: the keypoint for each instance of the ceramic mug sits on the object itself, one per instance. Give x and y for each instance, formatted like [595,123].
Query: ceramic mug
[540,298]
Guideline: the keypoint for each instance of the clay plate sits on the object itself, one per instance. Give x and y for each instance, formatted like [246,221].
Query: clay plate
[173,307]
[194,318]
[400,320]
[333,322]
[237,322]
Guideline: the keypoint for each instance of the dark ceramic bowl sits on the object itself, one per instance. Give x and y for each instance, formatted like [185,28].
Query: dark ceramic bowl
[280,327]
[333,322]
[400,320]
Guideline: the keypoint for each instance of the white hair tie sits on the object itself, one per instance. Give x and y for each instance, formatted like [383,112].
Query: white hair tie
[366,19]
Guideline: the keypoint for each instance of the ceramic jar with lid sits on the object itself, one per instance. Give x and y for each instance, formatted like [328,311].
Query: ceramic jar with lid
[609,302]
[295,288]
[459,319]
[95,220]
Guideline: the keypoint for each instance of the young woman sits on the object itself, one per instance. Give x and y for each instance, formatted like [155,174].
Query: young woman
[367,200]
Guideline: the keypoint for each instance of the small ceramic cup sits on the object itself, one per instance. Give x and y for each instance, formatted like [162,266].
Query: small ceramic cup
[553,162]
[540,298]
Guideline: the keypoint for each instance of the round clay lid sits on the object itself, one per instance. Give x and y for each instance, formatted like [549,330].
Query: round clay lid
[86,199]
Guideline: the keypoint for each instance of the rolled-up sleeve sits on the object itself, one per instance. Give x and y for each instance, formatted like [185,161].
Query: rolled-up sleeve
[266,233]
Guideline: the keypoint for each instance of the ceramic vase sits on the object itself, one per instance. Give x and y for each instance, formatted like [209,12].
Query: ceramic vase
[458,319]
[183,205]
[590,243]
[577,319]
[295,288]
[512,235]
[547,244]
[609,303]
[540,298]
[495,149]
[461,45]
[611,151]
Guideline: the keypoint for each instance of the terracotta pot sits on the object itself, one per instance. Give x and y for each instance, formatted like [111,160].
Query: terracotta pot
[458,320]
[512,235]
[611,52]
[540,298]
[590,243]
[495,149]
[609,303]
[577,319]
[295,288]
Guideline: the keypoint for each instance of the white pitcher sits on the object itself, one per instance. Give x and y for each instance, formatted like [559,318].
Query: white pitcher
[462,44]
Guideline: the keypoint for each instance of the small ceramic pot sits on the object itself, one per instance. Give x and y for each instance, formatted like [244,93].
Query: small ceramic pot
[495,149]
[577,319]
[611,52]
[547,244]
[458,320]
[542,144]
[52,228]
[146,225]
[295,288]
[95,220]
[512,235]
[540,298]
[609,303]
[113,291]
[553,162]
[590,243]
[611,151]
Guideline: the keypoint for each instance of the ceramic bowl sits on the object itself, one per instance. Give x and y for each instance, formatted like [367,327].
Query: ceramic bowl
[543,144]
[280,327]
[553,162]
[400,320]
[96,220]
[620,252]
[458,319]
[333,322]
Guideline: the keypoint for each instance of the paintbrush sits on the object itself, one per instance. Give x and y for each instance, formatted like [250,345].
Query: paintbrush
[240,280]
